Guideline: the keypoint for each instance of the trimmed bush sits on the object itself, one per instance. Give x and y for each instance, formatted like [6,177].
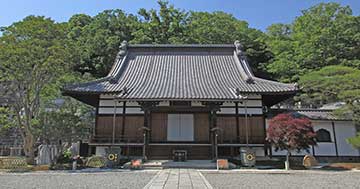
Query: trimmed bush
[65,157]
[96,161]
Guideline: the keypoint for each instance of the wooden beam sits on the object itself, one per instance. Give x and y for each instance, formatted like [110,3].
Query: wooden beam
[237,122]
[335,142]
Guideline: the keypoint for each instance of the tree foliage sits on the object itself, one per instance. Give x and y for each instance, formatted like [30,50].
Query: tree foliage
[325,34]
[332,84]
[69,122]
[222,28]
[97,39]
[287,132]
[166,26]
[355,141]
[329,84]
[6,121]
[33,53]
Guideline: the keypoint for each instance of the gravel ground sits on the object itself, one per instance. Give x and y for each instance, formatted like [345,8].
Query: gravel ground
[52,180]
[285,180]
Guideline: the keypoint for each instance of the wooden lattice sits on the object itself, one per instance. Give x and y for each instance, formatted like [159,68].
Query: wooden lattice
[12,163]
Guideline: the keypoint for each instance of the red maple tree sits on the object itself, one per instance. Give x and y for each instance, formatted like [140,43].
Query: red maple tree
[289,132]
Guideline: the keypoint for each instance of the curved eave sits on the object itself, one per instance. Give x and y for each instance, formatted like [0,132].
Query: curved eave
[269,98]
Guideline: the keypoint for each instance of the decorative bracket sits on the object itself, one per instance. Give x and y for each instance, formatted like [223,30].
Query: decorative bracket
[148,105]
[214,106]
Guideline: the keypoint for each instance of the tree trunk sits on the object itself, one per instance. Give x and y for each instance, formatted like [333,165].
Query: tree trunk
[29,148]
[287,161]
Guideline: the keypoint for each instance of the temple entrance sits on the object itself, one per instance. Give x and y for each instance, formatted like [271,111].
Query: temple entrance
[180,127]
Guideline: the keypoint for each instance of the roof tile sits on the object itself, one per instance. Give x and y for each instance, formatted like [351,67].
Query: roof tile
[180,72]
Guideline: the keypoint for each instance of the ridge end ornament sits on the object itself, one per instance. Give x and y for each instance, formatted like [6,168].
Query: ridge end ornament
[239,48]
[123,48]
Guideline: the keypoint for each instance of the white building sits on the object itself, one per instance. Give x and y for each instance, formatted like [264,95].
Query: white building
[332,133]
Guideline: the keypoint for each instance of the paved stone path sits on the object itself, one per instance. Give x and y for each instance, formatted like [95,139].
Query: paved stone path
[178,178]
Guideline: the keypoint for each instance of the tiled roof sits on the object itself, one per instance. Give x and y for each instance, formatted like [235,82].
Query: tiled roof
[321,114]
[180,72]
[313,114]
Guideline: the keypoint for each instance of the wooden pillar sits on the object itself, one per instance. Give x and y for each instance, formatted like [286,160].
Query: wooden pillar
[213,108]
[266,144]
[147,107]
[313,150]
[145,133]
[210,133]
[237,122]
[213,137]
[123,121]
[114,124]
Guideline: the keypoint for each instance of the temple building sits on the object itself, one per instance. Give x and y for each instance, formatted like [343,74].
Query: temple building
[201,99]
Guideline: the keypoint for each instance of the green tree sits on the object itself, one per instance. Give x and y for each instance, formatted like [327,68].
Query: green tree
[355,141]
[223,28]
[325,34]
[168,25]
[332,84]
[6,121]
[323,86]
[33,53]
[67,121]
[97,39]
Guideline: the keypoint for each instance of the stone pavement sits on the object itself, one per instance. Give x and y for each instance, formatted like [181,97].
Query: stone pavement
[178,178]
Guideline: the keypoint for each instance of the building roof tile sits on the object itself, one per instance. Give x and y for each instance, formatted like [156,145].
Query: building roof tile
[202,72]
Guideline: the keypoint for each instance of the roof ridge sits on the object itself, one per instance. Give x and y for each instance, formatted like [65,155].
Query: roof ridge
[121,54]
[276,82]
[243,74]
[181,45]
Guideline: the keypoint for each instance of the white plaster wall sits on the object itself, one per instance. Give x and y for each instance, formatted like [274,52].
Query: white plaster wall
[344,130]
[325,148]
[249,103]
[119,110]
[164,103]
[109,103]
[252,111]
[134,111]
[106,106]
